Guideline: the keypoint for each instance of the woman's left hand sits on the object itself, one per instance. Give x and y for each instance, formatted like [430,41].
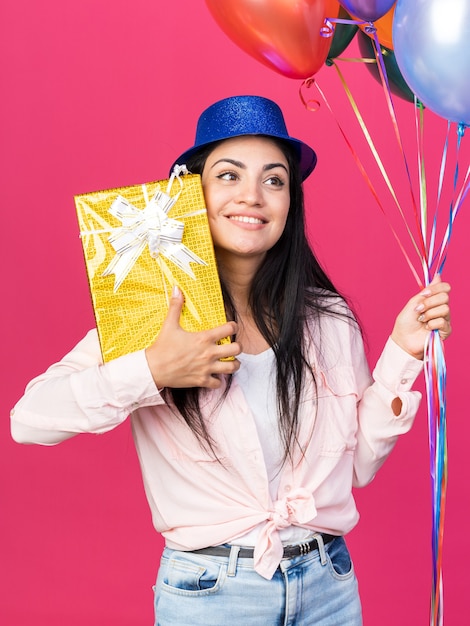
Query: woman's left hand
[429,310]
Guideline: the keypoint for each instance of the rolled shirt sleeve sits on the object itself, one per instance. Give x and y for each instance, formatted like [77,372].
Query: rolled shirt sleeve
[378,426]
[81,394]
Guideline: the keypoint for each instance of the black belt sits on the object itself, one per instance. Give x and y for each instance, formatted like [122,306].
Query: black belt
[290,552]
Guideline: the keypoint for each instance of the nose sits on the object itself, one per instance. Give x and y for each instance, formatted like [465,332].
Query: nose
[250,192]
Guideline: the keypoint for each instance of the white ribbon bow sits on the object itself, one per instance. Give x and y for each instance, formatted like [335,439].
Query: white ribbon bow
[149,226]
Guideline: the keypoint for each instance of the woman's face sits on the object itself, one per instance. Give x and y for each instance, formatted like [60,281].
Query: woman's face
[246,187]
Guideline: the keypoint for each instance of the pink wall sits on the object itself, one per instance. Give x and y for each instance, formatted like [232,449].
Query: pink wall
[99,94]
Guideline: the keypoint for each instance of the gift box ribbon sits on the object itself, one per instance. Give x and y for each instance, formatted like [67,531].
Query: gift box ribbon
[150,227]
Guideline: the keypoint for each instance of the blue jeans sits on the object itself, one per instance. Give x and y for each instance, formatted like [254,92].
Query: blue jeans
[317,589]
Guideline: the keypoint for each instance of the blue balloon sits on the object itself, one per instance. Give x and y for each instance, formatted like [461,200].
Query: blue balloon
[431,40]
[368,10]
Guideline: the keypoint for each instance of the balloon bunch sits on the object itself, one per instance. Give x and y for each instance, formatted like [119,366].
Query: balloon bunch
[428,63]
[427,40]
[420,51]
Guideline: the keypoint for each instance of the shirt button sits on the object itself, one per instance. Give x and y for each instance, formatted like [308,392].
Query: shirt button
[403,381]
[287,488]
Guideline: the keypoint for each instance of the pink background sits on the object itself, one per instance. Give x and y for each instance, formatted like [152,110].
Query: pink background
[99,94]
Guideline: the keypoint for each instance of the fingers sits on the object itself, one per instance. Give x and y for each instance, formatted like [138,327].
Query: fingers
[436,286]
[219,369]
[433,307]
[428,310]
[214,335]
[433,302]
[174,308]
[437,311]
[179,358]
[174,313]
[442,325]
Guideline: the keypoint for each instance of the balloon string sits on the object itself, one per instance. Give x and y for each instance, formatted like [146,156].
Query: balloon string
[376,156]
[436,381]
[442,170]
[419,108]
[456,202]
[435,370]
[435,373]
[311,81]
[419,122]
[393,118]
[353,60]
[372,32]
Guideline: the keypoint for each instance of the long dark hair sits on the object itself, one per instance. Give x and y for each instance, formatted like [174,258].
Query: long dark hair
[289,288]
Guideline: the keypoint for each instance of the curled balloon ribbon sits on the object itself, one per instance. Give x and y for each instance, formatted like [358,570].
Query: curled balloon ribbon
[432,262]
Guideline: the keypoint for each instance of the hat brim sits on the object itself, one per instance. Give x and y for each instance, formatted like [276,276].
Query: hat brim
[307,156]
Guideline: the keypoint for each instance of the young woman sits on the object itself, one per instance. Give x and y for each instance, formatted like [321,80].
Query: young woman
[249,463]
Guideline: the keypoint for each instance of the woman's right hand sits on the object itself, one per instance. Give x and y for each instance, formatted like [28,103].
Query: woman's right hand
[179,358]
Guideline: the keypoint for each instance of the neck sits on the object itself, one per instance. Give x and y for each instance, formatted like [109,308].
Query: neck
[238,274]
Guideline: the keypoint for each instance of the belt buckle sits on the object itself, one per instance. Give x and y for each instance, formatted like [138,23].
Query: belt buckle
[305,548]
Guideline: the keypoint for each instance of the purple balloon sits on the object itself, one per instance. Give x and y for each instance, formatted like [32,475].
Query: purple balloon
[431,40]
[368,10]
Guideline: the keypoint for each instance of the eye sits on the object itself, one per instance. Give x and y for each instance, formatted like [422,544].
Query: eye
[276,181]
[227,175]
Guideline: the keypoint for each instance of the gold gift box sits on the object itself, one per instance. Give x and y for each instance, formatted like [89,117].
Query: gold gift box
[139,242]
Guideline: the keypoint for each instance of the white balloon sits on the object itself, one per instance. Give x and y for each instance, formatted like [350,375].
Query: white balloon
[431,41]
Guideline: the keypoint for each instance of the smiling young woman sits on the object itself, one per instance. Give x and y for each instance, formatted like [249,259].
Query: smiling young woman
[249,463]
[246,187]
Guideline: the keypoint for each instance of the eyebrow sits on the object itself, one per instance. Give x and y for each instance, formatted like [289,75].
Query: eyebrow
[267,167]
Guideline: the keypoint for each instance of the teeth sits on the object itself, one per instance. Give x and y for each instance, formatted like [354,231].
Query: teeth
[247,220]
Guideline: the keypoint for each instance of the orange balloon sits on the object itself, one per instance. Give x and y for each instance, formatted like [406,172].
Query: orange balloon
[384,28]
[282,34]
